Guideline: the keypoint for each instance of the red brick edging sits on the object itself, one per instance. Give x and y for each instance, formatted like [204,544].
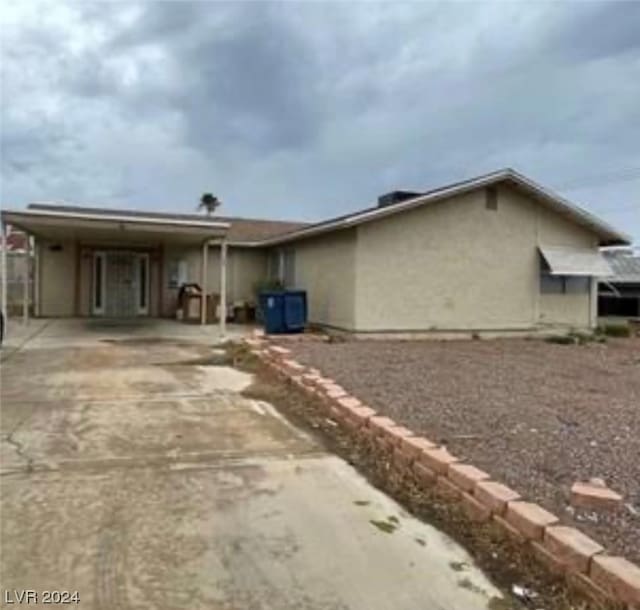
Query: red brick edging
[563,549]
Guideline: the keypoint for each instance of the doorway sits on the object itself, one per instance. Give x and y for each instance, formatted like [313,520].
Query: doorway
[120,286]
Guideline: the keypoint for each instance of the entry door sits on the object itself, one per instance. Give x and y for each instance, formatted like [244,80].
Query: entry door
[121,285]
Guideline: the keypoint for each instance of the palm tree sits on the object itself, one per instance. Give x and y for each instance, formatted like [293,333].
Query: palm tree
[209,202]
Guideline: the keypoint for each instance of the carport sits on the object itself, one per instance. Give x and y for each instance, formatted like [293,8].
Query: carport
[106,264]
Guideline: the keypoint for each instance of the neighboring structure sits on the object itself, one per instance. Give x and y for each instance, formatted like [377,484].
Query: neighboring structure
[619,294]
[497,253]
[19,272]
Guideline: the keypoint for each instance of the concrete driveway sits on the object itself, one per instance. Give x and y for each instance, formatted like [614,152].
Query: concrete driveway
[134,472]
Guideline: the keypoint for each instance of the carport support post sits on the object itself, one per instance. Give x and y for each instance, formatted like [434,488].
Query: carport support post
[223,288]
[3,272]
[203,300]
[25,280]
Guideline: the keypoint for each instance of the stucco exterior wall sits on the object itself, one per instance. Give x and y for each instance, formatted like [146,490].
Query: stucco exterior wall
[245,267]
[565,309]
[57,296]
[455,265]
[57,279]
[325,268]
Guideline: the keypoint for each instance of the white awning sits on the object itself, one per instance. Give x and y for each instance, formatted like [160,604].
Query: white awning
[575,261]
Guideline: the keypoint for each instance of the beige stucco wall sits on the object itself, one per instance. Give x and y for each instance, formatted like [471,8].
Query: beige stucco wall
[245,267]
[57,279]
[565,309]
[454,265]
[325,268]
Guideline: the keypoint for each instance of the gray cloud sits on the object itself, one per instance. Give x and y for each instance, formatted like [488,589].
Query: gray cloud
[308,110]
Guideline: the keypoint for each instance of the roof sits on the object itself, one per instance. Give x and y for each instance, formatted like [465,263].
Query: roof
[86,224]
[256,232]
[575,261]
[607,235]
[624,265]
[240,229]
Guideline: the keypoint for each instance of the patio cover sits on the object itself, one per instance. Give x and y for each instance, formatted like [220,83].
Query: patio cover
[113,228]
[575,261]
[86,226]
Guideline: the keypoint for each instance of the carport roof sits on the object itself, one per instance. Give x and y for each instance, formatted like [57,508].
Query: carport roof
[240,229]
[87,224]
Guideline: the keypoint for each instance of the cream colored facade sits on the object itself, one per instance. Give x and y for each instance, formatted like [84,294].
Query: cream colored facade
[57,279]
[246,267]
[326,268]
[449,260]
[448,266]
[66,273]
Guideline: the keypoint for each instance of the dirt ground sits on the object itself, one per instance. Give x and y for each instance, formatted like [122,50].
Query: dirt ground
[535,415]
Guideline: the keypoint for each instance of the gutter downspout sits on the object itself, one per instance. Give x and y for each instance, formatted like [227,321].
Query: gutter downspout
[36,278]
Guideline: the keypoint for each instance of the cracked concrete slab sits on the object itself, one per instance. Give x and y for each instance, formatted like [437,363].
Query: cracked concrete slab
[141,482]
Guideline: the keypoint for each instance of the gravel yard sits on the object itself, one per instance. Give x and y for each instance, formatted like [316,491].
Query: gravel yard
[535,415]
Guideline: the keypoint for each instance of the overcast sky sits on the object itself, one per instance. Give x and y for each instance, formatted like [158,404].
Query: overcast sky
[308,110]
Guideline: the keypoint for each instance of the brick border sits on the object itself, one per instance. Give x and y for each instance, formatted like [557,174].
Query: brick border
[564,550]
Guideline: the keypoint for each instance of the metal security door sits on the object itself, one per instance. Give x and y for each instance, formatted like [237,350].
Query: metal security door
[122,288]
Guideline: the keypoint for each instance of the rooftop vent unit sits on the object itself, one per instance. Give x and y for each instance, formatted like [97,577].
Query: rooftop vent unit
[395,197]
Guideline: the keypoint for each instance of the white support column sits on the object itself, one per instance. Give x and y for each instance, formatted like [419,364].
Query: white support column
[3,272]
[203,282]
[593,302]
[223,288]
[36,278]
[25,280]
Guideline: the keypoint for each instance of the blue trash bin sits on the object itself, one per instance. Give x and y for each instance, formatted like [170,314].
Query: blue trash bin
[272,308]
[284,311]
[295,310]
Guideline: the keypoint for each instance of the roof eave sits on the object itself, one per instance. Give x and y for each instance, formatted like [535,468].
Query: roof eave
[19,217]
[607,235]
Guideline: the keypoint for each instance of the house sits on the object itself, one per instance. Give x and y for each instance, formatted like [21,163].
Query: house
[619,294]
[497,253]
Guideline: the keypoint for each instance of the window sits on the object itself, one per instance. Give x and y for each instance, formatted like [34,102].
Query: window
[491,198]
[576,284]
[551,284]
[177,273]
[562,284]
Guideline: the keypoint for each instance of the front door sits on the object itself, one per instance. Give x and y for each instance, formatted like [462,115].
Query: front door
[120,284]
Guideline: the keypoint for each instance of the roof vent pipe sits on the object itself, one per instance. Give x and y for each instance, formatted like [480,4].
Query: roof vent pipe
[396,197]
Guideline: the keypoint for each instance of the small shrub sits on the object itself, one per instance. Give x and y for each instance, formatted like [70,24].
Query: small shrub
[582,338]
[616,330]
[562,339]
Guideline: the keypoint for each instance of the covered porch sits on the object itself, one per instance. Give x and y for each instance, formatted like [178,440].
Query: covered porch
[110,266]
